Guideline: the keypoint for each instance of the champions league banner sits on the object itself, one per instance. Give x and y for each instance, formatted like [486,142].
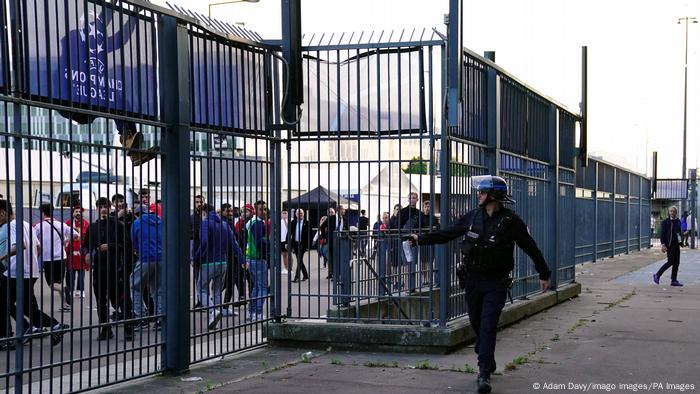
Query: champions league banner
[92,54]
[228,88]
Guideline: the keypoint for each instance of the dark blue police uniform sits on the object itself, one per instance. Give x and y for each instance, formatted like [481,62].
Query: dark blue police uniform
[488,269]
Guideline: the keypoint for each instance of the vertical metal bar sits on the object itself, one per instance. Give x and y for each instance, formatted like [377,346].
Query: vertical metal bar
[629,210]
[641,214]
[614,202]
[276,197]
[693,205]
[442,251]
[493,118]
[17,89]
[555,225]
[595,214]
[583,143]
[175,96]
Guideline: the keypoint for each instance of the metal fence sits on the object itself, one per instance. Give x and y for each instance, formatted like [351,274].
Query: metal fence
[145,149]
[613,211]
[121,125]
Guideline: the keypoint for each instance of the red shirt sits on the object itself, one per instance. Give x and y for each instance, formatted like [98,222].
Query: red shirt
[74,257]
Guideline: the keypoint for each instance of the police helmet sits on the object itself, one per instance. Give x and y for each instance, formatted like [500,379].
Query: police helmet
[495,186]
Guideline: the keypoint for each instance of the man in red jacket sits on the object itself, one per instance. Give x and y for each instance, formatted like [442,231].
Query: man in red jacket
[76,263]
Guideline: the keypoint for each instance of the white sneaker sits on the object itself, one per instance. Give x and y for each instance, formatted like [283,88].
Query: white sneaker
[285,272]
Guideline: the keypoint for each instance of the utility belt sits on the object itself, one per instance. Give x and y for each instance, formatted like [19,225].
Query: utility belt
[463,274]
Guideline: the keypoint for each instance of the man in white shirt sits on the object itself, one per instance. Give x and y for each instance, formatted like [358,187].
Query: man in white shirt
[30,272]
[54,235]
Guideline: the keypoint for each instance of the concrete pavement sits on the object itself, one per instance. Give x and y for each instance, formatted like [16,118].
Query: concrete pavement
[622,334]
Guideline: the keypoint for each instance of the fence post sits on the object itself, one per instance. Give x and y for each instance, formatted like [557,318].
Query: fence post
[614,203]
[629,210]
[17,90]
[175,106]
[641,215]
[595,215]
[555,227]
[452,86]
[276,194]
[493,119]
[693,204]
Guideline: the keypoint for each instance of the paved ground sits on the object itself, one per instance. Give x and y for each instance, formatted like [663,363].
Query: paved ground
[622,334]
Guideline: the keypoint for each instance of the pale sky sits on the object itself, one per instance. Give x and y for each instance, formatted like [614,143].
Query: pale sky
[635,52]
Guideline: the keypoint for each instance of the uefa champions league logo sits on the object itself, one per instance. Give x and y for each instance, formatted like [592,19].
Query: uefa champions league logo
[88,79]
[95,38]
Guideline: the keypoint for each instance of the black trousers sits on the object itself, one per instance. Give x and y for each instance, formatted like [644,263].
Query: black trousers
[5,308]
[486,298]
[34,316]
[108,288]
[299,253]
[235,277]
[673,254]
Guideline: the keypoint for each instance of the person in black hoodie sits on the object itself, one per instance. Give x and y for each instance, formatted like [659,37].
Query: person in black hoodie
[125,266]
[408,219]
[106,243]
[671,240]
[427,253]
[299,240]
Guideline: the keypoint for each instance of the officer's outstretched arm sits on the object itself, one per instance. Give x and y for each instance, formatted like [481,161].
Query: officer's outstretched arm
[447,234]
[522,238]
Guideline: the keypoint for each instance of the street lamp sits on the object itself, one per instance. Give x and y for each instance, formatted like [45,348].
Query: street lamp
[230,2]
[687,20]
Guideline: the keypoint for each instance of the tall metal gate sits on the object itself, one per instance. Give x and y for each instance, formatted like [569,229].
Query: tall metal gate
[121,124]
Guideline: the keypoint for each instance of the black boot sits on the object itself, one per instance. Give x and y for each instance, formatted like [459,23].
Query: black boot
[484,381]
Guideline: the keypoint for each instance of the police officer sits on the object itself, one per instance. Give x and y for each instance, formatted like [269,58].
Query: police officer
[489,233]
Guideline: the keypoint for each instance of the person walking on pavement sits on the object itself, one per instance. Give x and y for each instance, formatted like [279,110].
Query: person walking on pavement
[147,238]
[217,239]
[284,225]
[363,226]
[235,270]
[299,238]
[490,233]
[671,238]
[257,253]
[77,263]
[196,237]
[54,235]
[685,231]
[106,243]
[10,235]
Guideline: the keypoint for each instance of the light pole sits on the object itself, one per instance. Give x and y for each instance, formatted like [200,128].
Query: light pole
[687,20]
[230,2]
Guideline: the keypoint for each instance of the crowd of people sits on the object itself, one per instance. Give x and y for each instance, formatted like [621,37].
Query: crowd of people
[122,249]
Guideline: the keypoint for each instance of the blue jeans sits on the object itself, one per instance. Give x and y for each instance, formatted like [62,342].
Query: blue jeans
[258,273]
[71,276]
[214,273]
[146,273]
